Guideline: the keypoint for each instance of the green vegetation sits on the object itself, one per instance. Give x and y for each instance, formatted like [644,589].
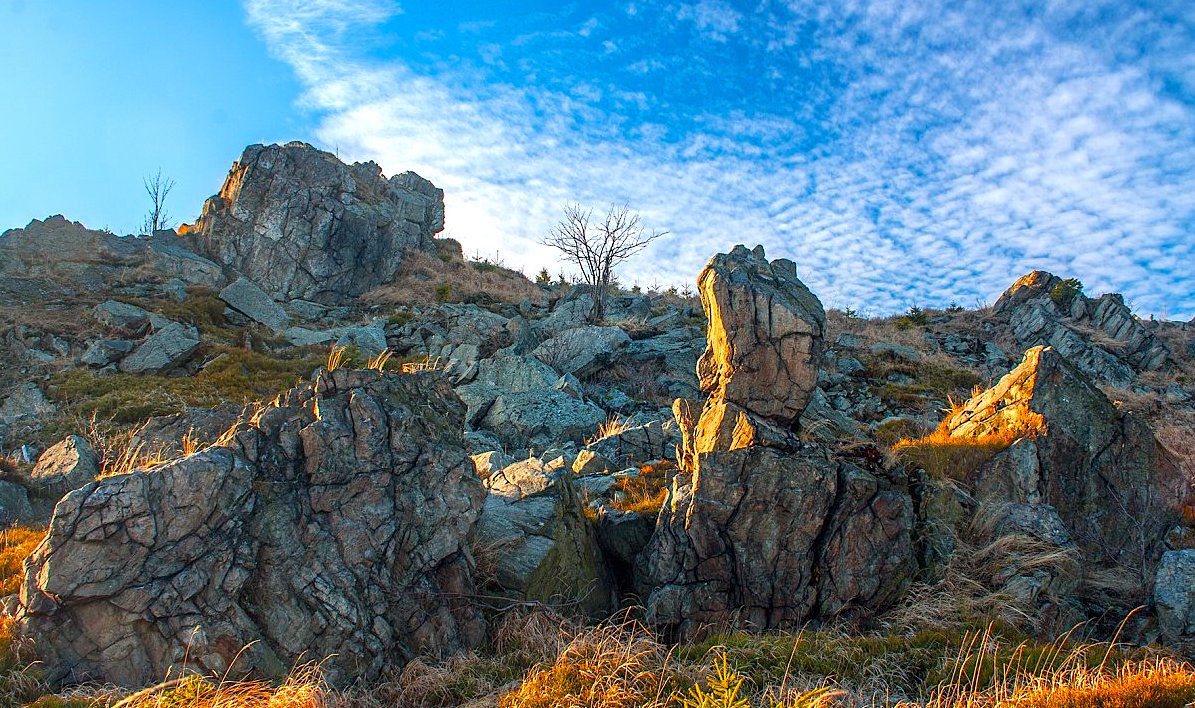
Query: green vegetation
[232,374]
[914,317]
[1064,293]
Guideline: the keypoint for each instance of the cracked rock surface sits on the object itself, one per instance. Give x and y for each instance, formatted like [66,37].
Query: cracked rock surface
[760,529]
[331,525]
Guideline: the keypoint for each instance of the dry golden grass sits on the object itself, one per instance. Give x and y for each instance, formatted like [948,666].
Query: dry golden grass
[16,543]
[613,666]
[647,492]
[944,456]
[426,278]
[612,426]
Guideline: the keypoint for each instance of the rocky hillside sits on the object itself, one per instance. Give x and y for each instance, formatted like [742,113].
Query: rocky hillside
[307,426]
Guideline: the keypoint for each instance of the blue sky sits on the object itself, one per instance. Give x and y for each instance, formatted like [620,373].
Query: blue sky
[899,152]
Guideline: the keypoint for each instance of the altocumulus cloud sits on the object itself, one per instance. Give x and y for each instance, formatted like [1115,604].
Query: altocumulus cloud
[899,152]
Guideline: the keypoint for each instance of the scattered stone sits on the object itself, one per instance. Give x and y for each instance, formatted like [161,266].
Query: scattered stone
[303,337]
[163,350]
[245,297]
[102,352]
[67,465]
[896,351]
[121,316]
[14,504]
[1174,597]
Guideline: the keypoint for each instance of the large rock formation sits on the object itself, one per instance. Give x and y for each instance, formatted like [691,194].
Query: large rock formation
[1082,461]
[1043,309]
[760,528]
[332,525]
[302,224]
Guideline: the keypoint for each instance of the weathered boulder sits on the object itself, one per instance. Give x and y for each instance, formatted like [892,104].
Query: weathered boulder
[651,441]
[14,504]
[163,350]
[1100,470]
[764,335]
[245,297]
[169,255]
[25,402]
[67,465]
[102,352]
[332,526]
[535,535]
[369,339]
[538,418]
[302,224]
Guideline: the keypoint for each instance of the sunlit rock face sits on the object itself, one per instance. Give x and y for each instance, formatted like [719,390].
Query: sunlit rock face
[760,528]
[301,224]
[1100,471]
[1043,309]
[331,527]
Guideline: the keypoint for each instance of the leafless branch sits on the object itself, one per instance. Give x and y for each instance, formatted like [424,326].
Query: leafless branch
[598,248]
[157,188]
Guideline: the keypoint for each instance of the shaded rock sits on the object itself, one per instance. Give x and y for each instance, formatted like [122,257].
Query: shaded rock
[102,352]
[302,224]
[14,504]
[581,350]
[895,351]
[1174,598]
[163,350]
[539,418]
[303,337]
[25,403]
[170,256]
[333,527]
[542,547]
[67,465]
[633,446]
[245,297]
[370,340]
[121,316]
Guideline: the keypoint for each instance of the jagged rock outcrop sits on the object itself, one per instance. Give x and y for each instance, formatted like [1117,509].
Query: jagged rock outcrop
[331,525]
[760,528]
[302,224]
[1083,472]
[1043,309]
[536,538]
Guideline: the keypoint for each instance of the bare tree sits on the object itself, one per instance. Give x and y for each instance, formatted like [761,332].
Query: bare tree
[598,248]
[157,188]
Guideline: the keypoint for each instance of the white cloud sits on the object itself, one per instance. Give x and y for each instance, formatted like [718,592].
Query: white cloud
[940,156]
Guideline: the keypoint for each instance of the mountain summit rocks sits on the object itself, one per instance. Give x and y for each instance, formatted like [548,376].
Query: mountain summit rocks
[301,224]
